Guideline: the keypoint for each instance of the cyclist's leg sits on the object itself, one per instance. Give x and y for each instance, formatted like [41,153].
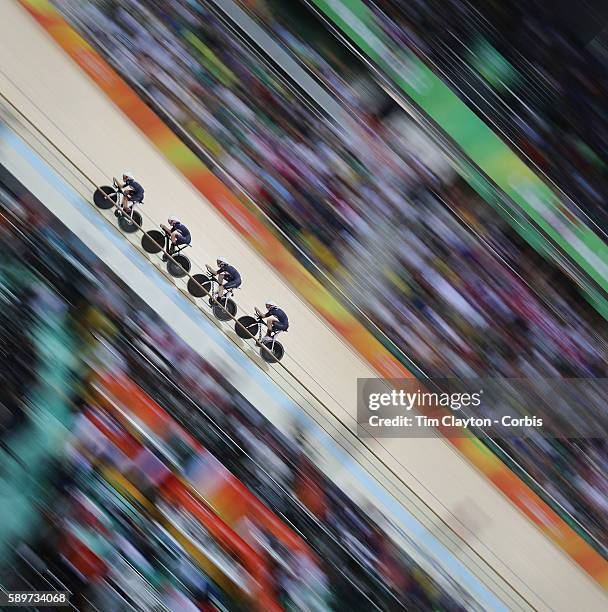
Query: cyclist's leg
[277,327]
[126,203]
[270,323]
[221,284]
[231,284]
[178,240]
[132,205]
[173,236]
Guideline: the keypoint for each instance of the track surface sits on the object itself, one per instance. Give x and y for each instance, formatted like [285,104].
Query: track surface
[53,92]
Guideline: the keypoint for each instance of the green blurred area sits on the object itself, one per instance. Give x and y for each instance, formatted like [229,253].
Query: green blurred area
[24,469]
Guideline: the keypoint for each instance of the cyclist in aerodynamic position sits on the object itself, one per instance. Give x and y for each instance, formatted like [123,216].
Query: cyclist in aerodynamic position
[132,191]
[178,234]
[227,276]
[276,320]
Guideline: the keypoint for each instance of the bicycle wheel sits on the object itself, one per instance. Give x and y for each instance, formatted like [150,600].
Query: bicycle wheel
[224,309]
[247,327]
[153,241]
[105,197]
[205,283]
[272,351]
[130,224]
[179,266]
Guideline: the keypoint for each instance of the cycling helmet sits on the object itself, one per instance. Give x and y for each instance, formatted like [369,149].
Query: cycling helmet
[127,174]
[172,220]
[270,303]
[220,260]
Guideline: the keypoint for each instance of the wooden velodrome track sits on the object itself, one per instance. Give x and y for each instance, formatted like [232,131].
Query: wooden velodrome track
[72,112]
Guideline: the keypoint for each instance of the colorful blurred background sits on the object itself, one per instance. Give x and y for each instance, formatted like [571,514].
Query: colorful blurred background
[426,180]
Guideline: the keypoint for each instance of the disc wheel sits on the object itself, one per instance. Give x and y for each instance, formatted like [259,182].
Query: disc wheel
[153,241]
[224,309]
[105,197]
[194,288]
[130,224]
[247,327]
[272,351]
[179,266]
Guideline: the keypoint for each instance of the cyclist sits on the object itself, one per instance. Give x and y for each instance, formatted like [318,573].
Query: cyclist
[178,234]
[276,320]
[132,191]
[228,276]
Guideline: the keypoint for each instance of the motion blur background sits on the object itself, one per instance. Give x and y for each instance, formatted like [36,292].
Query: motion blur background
[134,472]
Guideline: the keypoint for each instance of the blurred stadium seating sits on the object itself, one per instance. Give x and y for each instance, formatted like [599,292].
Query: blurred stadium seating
[367,210]
[514,62]
[140,511]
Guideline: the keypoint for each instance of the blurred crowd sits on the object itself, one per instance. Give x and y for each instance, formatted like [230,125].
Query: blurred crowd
[551,102]
[363,205]
[26,302]
[18,353]
[111,519]
[356,555]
